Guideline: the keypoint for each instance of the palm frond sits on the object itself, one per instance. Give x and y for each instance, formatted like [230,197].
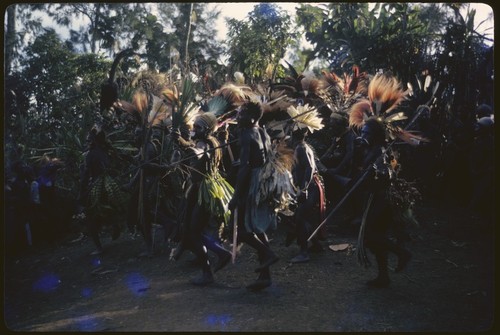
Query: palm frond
[185,110]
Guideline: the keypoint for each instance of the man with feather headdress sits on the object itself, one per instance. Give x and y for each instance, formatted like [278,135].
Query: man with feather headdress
[374,167]
[254,218]
[310,195]
[373,161]
[379,217]
[207,198]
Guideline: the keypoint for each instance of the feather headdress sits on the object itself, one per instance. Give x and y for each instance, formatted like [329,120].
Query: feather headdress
[384,96]
[385,93]
[341,93]
[151,109]
[236,95]
[306,117]
[359,113]
[228,98]
[303,85]
[272,101]
[239,78]
[145,105]
[310,85]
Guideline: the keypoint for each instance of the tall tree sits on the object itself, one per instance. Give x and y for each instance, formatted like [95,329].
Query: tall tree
[257,44]
[458,63]
[59,86]
[21,27]
[194,27]
[10,38]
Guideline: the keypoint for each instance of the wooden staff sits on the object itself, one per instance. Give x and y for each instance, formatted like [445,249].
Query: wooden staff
[235,235]
[360,251]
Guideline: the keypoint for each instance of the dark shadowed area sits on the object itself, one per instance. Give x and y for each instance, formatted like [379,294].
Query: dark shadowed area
[448,286]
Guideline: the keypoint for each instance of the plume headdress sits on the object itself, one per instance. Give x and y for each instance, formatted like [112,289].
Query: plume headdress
[228,98]
[145,105]
[303,87]
[340,93]
[384,97]
[305,117]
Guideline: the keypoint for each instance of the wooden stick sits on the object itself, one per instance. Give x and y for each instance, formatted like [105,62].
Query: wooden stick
[235,235]
[361,252]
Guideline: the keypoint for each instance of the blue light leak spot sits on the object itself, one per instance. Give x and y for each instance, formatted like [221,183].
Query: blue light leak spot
[87,323]
[47,283]
[137,284]
[86,292]
[218,320]
[95,262]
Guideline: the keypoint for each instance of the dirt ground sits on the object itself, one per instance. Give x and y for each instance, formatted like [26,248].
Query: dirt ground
[448,286]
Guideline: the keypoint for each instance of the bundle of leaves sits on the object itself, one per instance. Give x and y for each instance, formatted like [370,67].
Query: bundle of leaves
[106,199]
[403,194]
[214,194]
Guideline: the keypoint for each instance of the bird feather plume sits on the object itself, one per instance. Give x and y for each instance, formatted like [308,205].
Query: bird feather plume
[217,105]
[150,81]
[239,78]
[310,85]
[286,155]
[140,101]
[235,94]
[409,137]
[332,79]
[360,111]
[385,93]
[306,116]
[171,94]
[272,101]
[159,112]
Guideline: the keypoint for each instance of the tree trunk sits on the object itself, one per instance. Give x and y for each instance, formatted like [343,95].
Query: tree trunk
[187,38]
[10,38]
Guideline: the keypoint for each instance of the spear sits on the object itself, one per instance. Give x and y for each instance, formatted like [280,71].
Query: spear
[235,235]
